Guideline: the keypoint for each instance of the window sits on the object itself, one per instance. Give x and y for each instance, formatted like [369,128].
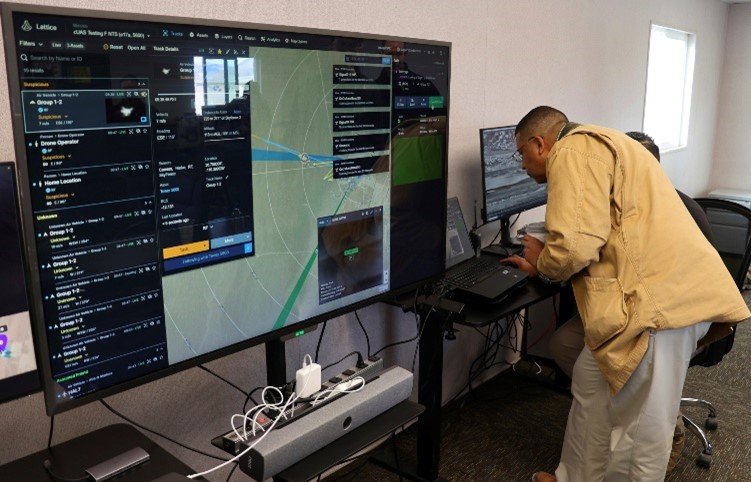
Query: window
[670,76]
[219,80]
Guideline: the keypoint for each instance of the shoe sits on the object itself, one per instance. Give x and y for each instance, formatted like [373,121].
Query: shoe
[543,477]
[679,439]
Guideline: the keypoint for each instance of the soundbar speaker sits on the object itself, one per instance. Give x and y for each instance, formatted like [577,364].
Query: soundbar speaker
[293,442]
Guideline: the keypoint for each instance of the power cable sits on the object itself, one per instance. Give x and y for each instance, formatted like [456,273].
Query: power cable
[367,338]
[320,338]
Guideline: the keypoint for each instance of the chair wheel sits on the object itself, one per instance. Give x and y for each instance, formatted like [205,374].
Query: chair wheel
[704,460]
[710,423]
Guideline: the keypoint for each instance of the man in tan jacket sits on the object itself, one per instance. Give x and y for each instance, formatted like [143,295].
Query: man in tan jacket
[647,285]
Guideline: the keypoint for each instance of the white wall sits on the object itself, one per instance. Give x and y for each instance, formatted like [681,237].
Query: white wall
[587,57]
[731,154]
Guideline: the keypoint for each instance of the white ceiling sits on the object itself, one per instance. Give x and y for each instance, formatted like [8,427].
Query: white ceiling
[737,1]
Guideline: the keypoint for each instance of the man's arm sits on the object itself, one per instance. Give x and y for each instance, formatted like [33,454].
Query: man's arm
[578,212]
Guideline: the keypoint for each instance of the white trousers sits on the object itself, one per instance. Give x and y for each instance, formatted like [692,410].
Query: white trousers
[627,437]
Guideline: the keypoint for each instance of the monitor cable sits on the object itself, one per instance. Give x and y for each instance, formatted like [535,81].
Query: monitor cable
[248,395]
[249,398]
[501,229]
[514,221]
[486,359]
[359,361]
[396,343]
[477,226]
[493,345]
[207,370]
[492,241]
[108,407]
[231,472]
[417,329]
[320,339]
[367,338]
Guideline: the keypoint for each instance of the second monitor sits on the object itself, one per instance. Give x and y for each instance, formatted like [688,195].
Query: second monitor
[18,374]
[507,189]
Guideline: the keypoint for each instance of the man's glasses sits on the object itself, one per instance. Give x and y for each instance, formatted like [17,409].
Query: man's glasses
[517,155]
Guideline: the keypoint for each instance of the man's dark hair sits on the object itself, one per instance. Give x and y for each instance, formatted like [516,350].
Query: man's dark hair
[539,121]
[646,141]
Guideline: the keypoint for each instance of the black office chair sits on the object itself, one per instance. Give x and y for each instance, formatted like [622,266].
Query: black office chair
[731,230]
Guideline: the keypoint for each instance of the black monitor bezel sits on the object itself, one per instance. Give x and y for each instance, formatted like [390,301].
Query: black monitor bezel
[30,256]
[26,383]
[484,211]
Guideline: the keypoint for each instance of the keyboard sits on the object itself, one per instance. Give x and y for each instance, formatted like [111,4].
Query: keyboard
[473,271]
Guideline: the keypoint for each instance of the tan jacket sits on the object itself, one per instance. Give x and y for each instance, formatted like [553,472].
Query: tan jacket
[636,259]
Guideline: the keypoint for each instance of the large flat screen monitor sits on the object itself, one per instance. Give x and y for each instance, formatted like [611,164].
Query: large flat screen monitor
[190,190]
[18,375]
[507,189]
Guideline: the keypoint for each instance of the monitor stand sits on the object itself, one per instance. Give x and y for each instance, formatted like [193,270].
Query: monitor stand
[70,459]
[505,246]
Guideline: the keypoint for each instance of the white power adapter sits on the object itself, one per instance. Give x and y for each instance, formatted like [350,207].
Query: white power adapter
[308,378]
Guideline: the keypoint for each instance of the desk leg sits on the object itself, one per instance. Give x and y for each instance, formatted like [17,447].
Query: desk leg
[566,309]
[430,392]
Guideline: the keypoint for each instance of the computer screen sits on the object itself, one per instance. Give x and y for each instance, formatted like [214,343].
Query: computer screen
[18,375]
[507,189]
[193,190]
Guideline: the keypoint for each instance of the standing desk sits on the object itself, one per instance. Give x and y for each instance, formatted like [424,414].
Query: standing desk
[430,388]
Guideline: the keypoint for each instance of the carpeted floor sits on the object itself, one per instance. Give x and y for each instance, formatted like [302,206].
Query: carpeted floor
[514,427]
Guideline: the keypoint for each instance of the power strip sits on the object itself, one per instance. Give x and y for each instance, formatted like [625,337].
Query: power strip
[232,444]
[280,448]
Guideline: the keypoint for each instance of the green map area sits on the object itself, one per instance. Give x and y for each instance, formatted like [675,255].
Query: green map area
[293,185]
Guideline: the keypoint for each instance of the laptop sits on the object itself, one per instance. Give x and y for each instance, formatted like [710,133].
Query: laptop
[474,279]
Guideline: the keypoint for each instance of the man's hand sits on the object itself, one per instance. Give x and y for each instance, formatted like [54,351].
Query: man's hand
[532,249]
[522,264]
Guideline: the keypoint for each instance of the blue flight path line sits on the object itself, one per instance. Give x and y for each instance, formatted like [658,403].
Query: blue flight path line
[286,154]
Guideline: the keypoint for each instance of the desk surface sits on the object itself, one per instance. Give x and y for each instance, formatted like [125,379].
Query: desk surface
[534,291]
[72,457]
[482,314]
